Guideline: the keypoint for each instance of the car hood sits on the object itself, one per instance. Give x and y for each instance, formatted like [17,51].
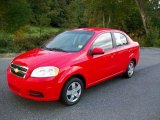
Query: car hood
[39,57]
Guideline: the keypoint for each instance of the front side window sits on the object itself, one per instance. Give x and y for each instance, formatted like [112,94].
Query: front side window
[103,41]
[120,39]
[70,41]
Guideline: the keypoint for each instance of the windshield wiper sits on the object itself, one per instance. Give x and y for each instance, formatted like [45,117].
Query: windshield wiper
[43,47]
[56,49]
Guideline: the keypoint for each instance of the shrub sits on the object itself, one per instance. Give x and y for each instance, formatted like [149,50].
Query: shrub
[152,39]
[29,43]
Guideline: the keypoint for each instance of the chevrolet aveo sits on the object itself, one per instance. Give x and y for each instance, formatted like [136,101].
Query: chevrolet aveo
[71,62]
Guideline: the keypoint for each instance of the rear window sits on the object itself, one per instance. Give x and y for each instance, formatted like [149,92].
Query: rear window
[103,41]
[120,39]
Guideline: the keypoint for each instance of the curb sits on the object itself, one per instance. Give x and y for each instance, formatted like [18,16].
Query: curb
[9,55]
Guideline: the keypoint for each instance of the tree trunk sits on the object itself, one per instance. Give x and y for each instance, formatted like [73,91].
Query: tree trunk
[139,4]
[40,31]
[103,20]
[109,20]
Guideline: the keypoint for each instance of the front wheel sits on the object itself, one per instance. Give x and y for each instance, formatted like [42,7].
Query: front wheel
[130,70]
[72,91]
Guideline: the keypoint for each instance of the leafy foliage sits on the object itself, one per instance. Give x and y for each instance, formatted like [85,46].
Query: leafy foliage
[139,18]
[14,14]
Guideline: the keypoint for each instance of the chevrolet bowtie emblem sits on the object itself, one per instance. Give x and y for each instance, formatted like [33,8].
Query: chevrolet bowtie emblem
[16,70]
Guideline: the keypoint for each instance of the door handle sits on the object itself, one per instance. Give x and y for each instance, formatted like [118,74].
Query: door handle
[112,56]
[130,50]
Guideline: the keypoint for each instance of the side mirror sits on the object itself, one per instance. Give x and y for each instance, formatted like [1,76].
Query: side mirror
[97,51]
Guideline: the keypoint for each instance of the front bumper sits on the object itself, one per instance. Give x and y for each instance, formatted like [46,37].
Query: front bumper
[40,89]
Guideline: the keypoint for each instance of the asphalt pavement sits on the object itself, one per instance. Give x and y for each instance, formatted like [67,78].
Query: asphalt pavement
[137,98]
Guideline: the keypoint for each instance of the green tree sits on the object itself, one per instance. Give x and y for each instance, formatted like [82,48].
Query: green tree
[58,12]
[13,14]
[141,4]
[149,11]
[75,16]
[40,13]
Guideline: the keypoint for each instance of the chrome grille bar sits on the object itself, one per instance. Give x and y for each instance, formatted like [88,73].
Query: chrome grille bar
[18,70]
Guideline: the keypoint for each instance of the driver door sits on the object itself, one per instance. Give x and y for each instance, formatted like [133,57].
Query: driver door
[103,65]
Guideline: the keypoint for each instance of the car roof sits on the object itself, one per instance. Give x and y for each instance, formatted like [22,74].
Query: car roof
[97,30]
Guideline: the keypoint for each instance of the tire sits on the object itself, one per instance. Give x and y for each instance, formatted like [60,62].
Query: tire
[130,70]
[72,91]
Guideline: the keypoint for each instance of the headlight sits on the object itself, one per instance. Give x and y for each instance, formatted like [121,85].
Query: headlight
[48,71]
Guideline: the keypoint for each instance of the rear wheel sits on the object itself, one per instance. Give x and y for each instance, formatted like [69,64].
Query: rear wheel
[130,70]
[72,91]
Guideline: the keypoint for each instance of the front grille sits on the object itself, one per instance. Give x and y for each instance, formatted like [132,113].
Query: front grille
[18,70]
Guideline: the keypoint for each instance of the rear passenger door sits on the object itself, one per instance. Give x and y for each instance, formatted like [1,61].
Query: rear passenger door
[122,50]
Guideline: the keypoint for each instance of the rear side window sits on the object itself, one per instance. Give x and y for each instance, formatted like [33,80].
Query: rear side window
[120,39]
[103,41]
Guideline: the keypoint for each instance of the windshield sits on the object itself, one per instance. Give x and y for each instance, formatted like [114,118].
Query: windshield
[70,41]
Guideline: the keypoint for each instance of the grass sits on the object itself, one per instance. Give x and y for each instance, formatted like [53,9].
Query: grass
[35,31]
[25,38]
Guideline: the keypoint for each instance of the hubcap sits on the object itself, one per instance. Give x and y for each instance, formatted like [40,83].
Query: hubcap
[74,92]
[131,69]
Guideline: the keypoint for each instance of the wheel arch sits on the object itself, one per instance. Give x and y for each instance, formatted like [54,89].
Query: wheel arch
[74,71]
[134,60]
[80,76]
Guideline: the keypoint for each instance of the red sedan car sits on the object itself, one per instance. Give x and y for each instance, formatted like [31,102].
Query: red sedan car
[71,62]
